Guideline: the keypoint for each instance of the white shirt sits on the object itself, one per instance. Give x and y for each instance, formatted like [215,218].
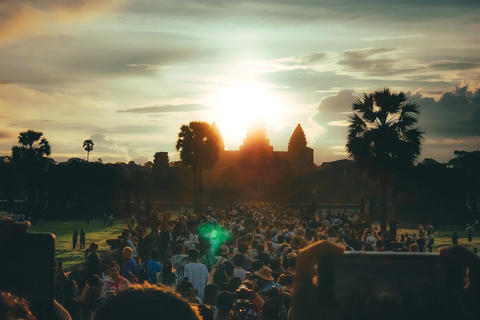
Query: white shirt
[197,273]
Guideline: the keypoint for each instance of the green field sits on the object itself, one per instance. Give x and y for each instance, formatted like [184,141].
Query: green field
[443,235]
[63,230]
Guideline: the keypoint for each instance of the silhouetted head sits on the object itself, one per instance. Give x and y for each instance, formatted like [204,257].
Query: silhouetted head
[150,302]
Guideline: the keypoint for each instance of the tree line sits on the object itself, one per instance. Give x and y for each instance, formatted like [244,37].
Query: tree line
[383,143]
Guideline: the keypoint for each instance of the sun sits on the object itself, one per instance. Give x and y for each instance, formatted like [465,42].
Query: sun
[243,103]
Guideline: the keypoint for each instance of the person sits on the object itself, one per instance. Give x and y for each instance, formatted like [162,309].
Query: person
[265,280]
[196,272]
[179,261]
[74,239]
[469,231]
[454,238]
[429,229]
[110,220]
[208,259]
[82,239]
[127,241]
[115,282]
[430,242]
[225,302]
[105,220]
[93,261]
[72,302]
[211,293]
[167,277]
[146,302]
[243,248]
[153,267]
[393,228]
[92,298]
[130,266]
[238,261]
[421,243]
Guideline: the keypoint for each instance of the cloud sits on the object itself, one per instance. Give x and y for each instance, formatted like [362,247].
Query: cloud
[167,108]
[100,138]
[137,129]
[386,38]
[19,18]
[5,135]
[333,110]
[456,114]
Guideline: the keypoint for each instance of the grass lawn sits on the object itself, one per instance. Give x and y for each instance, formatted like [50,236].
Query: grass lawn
[443,235]
[63,230]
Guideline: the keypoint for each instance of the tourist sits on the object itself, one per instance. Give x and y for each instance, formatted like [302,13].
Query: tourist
[196,272]
[266,282]
[110,220]
[130,266]
[146,302]
[167,276]
[114,282]
[179,261]
[74,239]
[469,231]
[208,259]
[153,267]
[238,261]
[454,239]
[93,261]
[82,239]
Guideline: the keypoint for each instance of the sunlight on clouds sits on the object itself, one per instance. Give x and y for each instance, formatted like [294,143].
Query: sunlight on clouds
[19,18]
[341,123]
[338,150]
[313,131]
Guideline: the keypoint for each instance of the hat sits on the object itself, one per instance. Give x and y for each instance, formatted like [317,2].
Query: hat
[291,255]
[224,250]
[265,273]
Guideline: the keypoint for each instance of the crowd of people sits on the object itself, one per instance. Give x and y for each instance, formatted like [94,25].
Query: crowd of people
[248,261]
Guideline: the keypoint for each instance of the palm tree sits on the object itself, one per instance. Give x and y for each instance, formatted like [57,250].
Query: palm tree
[383,138]
[88,146]
[31,159]
[198,145]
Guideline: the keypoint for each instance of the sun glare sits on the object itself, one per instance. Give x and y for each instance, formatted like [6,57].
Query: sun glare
[242,104]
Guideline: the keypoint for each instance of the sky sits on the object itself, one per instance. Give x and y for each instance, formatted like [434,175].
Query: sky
[128,73]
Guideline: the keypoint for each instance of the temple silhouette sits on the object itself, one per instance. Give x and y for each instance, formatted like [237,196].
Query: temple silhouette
[256,153]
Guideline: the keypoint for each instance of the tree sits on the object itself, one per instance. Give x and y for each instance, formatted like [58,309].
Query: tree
[31,159]
[88,146]
[12,181]
[198,145]
[383,138]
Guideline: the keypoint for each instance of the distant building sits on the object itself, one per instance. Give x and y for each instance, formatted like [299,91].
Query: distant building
[256,151]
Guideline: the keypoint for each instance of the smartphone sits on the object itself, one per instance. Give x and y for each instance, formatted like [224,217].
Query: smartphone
[27,270]
[379,276]
[248,275]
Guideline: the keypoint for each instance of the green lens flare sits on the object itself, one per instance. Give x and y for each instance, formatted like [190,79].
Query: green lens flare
[215,234]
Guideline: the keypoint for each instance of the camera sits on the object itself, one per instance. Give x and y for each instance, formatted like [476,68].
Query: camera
[242,303]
